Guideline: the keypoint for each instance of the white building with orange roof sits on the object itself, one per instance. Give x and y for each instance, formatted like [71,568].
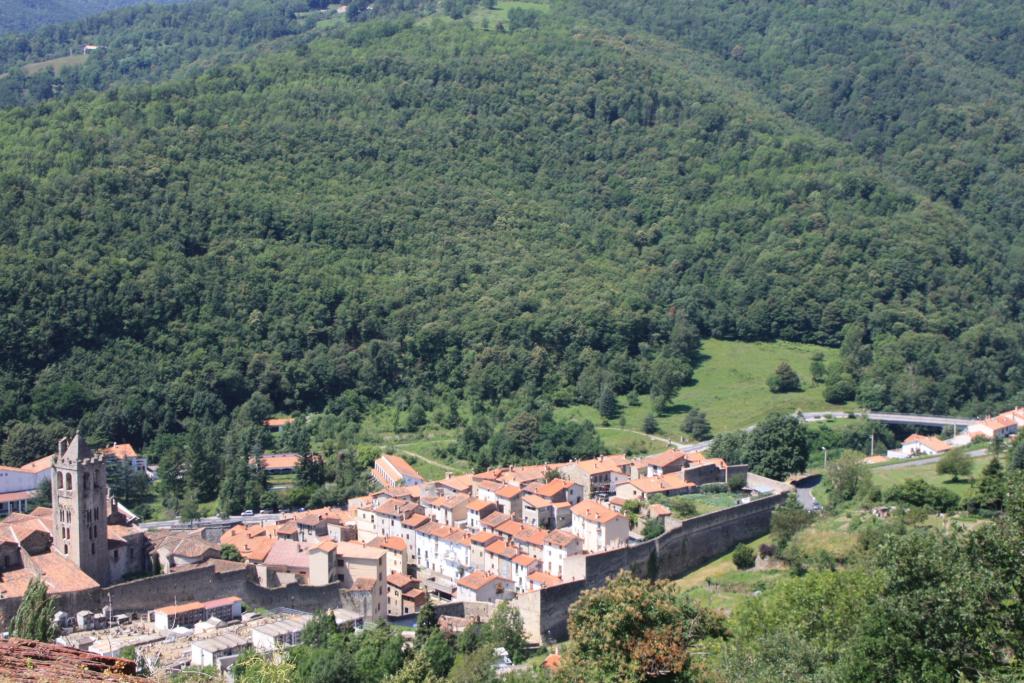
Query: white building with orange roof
[447,509]
[476,510]
[443,550]
[558,546]
[397,552]
[393,470]
[540,580]
[522,566]
[598,526]
[123,452]
[919,444]
[462,483]
[498,558]
[509,500]
[538,511]
[484,587]
[998,427]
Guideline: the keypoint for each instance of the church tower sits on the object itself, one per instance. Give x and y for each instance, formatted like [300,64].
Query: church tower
[80,508]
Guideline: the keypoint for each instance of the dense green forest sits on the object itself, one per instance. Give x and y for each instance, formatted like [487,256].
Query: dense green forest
[235,210]
[25,15]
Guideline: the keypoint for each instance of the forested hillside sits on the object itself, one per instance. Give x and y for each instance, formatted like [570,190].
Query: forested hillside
[252,213]
[25,15]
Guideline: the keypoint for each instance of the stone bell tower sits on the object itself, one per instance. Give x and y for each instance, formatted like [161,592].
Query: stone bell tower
[80,508]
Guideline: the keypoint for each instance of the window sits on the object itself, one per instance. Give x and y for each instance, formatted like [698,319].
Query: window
[67,479]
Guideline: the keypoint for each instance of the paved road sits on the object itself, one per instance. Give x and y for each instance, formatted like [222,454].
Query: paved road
[981,452]
[210,521]
[893,418]
[803,492]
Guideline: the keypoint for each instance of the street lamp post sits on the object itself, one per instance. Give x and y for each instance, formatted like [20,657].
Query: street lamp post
[826,455]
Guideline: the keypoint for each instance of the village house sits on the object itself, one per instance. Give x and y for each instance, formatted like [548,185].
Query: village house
[276,424]
[918,444]
[558,546]
[404,595]
[999,427]
[483,587]
[393,470]
[123,452]
[599,527]
[397,552]
[599,476]
[476,511]
[447,509]
[671,484]
[280,463]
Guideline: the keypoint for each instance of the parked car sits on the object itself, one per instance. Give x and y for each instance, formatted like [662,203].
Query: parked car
[247,513]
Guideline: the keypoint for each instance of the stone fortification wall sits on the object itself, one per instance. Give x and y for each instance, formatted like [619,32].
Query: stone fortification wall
[466,609]
[681,549]
[202,584]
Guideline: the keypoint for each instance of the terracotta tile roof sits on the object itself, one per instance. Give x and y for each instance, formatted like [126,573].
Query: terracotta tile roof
[407,492]
[659,510]
[615,500]
[37,466]
[413,594]
[394,543]
[598,466]
[510,528]
[666,482]
[280,461]
[665,459]
[448,502]
[495,519]
[292,555]
[536,501]
[415,521]
[531,535]
[400,466]
[30,660]
[477,580]
[17,495]
[325,546]
[189,544]
[488,485]
[351,549]
[544,579]
[592,511]
[524,560]
[222,602]
[401,581]
[172,610]
[553,487]
[508,492]
[502,549]
[479,506]
[483,538]
[560,538]
[278,421]
[462,483]
[364,584]
[553,662]
[937,445]
[394,507]
[121,451]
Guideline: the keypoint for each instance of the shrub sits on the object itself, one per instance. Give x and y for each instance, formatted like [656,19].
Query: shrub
[919,493]
[766,550]
[714,488]
[737,482]
[654,528]
[743,556]
[784,379]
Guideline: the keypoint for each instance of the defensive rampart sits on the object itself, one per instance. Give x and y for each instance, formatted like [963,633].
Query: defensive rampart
[687,546]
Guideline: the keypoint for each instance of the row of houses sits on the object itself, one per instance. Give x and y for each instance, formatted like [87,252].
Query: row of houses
[494,534]
[1002,426]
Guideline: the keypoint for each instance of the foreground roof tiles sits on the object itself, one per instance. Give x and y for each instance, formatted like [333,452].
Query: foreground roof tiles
[30,660]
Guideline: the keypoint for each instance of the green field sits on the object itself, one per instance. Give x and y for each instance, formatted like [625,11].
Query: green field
[55,64]
[886,477]
[423,456]
[618,440]
[730,387]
